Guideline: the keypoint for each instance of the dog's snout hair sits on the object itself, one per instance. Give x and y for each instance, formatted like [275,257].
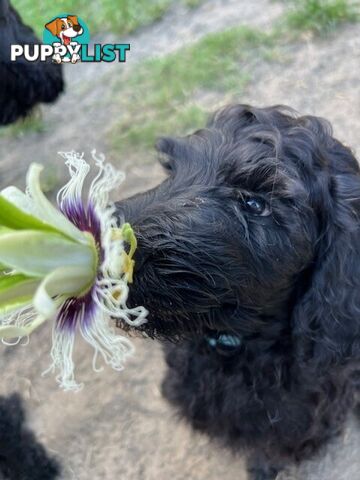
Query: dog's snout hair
[255,234]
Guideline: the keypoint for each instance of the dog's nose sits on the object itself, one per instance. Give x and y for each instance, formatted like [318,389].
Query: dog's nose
[77,28]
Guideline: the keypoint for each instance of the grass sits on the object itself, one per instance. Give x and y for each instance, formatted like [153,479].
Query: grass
[33,123]
[193,3]
[121,16]
[319,16]
[161,94]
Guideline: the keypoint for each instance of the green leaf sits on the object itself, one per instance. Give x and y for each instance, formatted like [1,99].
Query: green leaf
[36,254]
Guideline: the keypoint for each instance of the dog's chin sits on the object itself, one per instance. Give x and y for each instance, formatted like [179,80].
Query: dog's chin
[164,319]
[160,323]
[158,327]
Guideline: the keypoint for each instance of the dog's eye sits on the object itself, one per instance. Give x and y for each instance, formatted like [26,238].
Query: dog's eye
[257,206]
[70,24]
[62,27]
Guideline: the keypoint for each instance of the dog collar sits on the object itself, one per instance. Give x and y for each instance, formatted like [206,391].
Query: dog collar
[224,340]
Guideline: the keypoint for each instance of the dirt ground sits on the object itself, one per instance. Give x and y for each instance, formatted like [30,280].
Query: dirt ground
[118,426]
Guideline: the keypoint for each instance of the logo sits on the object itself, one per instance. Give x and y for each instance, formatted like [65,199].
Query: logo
[66,40]
[66,34]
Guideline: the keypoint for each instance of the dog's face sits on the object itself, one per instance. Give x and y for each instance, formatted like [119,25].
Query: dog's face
[230,240]
[65,28]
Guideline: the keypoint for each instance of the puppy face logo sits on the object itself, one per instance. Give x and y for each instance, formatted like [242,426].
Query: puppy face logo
[66,28]
[70,32]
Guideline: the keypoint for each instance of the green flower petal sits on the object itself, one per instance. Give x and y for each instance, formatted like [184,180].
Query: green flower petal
[46,210]
[36,253]
[66,281]
[16,291]
[18,198]
[11,280]
[13,331]
[13,217]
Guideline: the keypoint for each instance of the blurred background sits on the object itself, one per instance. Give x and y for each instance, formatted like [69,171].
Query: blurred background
[187,58]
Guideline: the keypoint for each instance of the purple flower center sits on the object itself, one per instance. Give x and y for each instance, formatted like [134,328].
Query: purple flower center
[84,218]
[80,309]
[75,310]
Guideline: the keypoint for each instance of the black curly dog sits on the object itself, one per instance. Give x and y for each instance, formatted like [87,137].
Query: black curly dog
[249,264]
[22,457]
[23,84]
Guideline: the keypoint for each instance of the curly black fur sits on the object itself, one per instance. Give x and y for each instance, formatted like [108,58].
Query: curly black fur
[23,84]
[21,456]
[284,279]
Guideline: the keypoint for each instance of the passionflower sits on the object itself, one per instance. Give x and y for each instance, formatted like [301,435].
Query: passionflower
[67,264]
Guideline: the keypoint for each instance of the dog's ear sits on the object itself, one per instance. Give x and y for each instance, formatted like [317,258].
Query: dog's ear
[326,318]
[54,27]
[175,150]
[73,19]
